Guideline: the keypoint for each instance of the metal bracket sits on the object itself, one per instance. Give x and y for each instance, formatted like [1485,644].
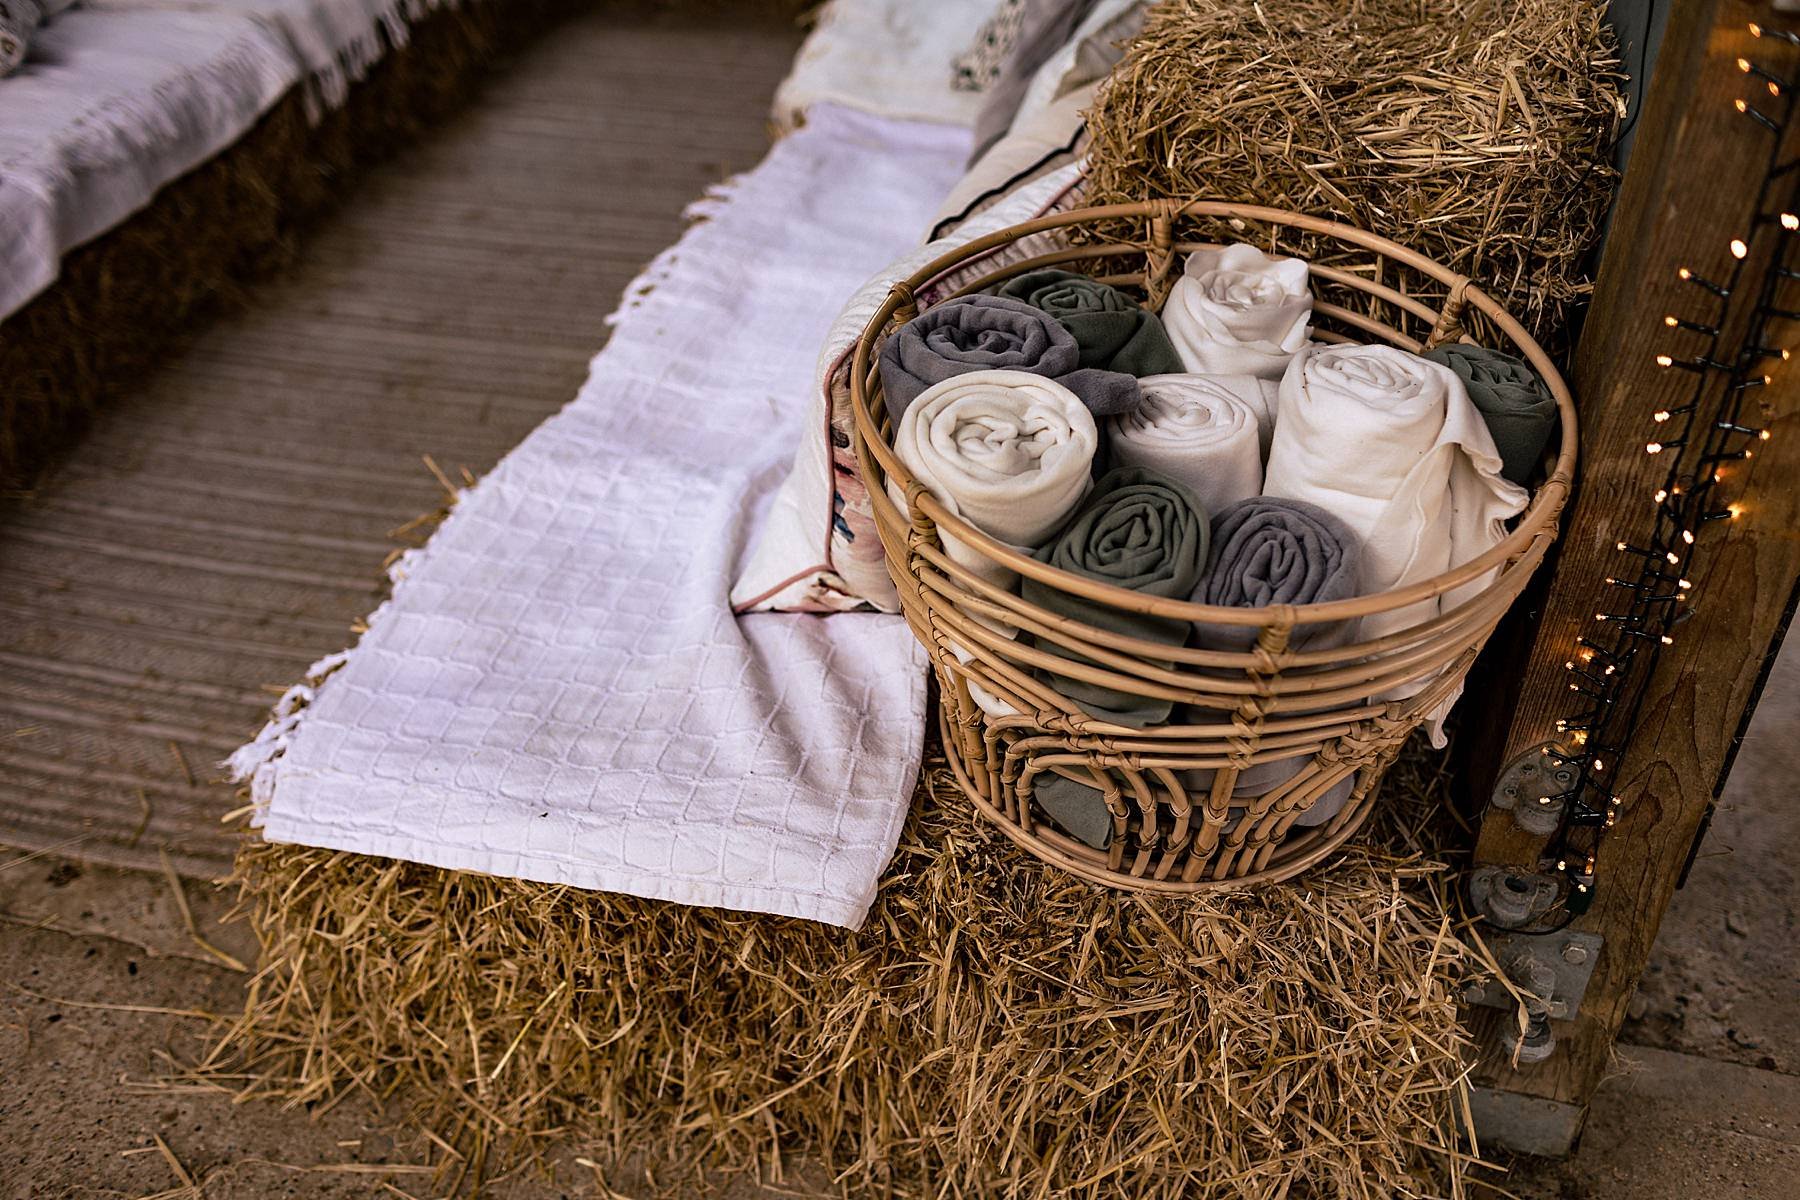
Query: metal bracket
[1509,897]
[1533,788]
[1553,969]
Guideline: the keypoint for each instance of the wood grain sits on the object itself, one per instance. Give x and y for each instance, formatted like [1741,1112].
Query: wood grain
[1691,188]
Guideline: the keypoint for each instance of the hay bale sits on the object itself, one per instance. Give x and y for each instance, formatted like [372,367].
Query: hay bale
[997,1029]
[1478,132]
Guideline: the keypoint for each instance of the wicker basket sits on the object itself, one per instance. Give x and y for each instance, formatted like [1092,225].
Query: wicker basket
[1322,707]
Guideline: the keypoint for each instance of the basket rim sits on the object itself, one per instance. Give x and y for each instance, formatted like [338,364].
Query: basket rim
[1539,519]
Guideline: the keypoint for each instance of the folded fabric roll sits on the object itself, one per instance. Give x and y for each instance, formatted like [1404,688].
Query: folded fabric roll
[1270,551]
[990,333]
[1267,551]
[1139,530]
[1237,311]
[1112,331]
[1195,429]
[1391,445]
[1007,451]
[1514,401]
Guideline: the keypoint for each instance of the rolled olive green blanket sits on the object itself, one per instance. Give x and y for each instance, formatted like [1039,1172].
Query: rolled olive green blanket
[1138,530]
[1514,401]
[1113,331]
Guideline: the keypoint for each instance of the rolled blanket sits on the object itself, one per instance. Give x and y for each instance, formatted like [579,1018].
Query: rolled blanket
[1198,430]
[1007,451]
[1139,530]
[1514,401]
[1267,551]
[1392,446]
[990,333]
[1264,552]
[1237,311]
[1112,331]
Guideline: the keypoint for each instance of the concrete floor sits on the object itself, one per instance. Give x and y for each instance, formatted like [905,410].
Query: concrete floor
[100,979]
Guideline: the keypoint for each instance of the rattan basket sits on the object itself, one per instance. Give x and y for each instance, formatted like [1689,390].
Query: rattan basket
[1323,707]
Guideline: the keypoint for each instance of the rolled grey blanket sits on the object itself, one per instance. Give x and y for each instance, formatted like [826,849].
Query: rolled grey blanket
[1514,401]
[1273,551]
[983,333]
[1112,331]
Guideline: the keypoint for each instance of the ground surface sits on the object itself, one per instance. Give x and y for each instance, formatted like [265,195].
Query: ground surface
[215,533]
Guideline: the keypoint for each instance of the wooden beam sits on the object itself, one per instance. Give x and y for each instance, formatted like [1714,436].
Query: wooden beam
[1697,168]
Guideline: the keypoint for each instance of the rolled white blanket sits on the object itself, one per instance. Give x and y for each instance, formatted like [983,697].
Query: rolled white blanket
[1009,452]
[1238,311]
[1392,446]
[1200,430]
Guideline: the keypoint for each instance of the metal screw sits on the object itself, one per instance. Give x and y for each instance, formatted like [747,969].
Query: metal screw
[1574,954]
[1510,791]
[1528,770]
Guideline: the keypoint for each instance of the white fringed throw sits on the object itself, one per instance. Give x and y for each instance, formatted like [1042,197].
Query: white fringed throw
[558,689]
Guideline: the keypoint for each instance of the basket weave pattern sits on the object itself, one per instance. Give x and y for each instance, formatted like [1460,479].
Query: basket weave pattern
[1331,710]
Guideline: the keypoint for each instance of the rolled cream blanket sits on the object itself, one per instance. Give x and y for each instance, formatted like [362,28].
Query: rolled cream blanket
[1237,311]
[1267,551]
[1198,430]
[989,333]
[1391,445]
[1112,331]
[1139,530]
[1514,401]
[1009,452]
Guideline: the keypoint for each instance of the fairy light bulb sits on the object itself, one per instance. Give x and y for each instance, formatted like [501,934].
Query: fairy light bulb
[1687,536]
[1653,447]
[1667,640]
[1671,321]
[1660,415]
[1743,64]
[1741,105]
[1672,557]
[1581,737]
[1736,510]
[1789,221]
[1763,435]
[1663,360]
[1661,495]
[1756,30]
[1684,584]
[1738,248]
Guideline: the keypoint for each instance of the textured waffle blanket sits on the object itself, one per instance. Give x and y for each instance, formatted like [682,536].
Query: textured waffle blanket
[558,689]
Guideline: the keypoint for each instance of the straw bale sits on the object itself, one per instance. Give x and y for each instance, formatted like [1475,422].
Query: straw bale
[997,1029]
[1477,132]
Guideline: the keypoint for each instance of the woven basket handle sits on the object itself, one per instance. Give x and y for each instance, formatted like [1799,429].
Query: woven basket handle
[1159,253]
[1449,327]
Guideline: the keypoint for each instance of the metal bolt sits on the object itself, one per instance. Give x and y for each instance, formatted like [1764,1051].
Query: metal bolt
[1528,769]
[1574,954]
[1510,791]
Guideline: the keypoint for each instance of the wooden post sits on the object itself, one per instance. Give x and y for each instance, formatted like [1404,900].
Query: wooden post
[1696,172]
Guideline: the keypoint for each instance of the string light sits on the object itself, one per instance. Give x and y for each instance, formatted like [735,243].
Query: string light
[1688,276]
[1761,118]
[1612,694]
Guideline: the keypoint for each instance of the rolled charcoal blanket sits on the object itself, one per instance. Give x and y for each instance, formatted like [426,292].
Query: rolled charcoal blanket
[1007,451]
[989,333]
[1112,331]
[1198,430]
[1237,311]
[1267,551]
[1139,530]
[1391,445]
[1514,401]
